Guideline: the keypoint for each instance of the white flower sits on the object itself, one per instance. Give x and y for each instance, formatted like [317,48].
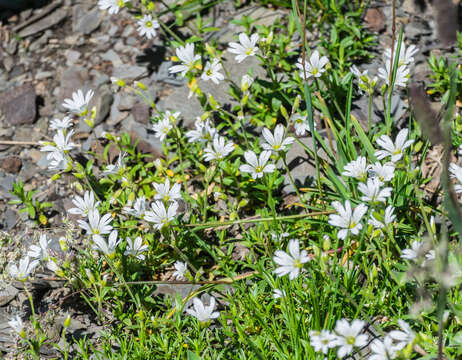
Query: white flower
[348,336]
[180,270]
[278,237]
[113,6]
[40,251]
[165,193]
[203,133]
[361,76]
[301,124]
[276,142]
[109,247]
[322,341]
[201,312]
[455,172]
[277,294]
[406,54]
[25,268]
[383,350]
[84,205]
[162,128]
[290,263]
[245,47]
[147,26]
[246,82]
[188,59]
[218,149]
[79,102]
[17,325]
[159,215]
[356,169]
[136,248]
[372,191]
[256,167]
[388,218]
[413,252]
[57,160]
[314,67]
[96,225]
[402,75]
[384,172]
[212,71]
[61,144]
[395,150]
[138,209]
[430,255]
[115,168]
[57,124]
[404,336]
[347,219]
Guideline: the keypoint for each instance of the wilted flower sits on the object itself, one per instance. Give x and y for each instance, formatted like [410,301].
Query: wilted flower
[40,251]
[455,172]
[17,325]
[115,168]
[277,294]
[246,82]
[139,207]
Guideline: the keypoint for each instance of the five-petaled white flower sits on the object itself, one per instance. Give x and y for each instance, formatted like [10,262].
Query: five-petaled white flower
[314,67]
[25,268]
[108,248]
[384,172]
[388,218]
[180,269]
[147,26]
[406,54]
[139,207]
[372,191]
[218,149]
[245,47]
[301,124]
[404,336]
[60,146]
[212,71]
[201,312]
[165,193]
[349,336]
[188,60]
[356,169]
[256,167]
[203,133]
[160,215]
[112,6]
[347,219]
[84,205]
[413,252]
[276,142]
[322,341]
[455,172]
[136,248]
[402,75]
[115,168]
[79,102]
[290,263]
[58,124]
[40,251]
[395,150]
[17,325]
[162,128]
[96,225]
[383,350]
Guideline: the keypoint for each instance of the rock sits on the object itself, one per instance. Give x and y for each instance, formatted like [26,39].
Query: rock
[6,185]
[375,20]
[47,22]
[446,13]
[103,104]
[116,115]
[112,56]
[72,56]
[101,80]
[72,79]
[7,294]
[416,29]
[360,110]
[86,22]
[12,164]
[19,105]
[127,102]
[131,41]
[141,112]
[10,219]
[162,75]
[147,142]
[39,44]
[302,168]
[8,63]
[128,72]
[41,75]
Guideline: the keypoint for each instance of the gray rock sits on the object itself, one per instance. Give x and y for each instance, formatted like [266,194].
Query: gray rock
[7,293]
[360,110]
[47,22]
[127,102]
[103,104]
[19,105]
[86,22]
[72,79]
[6,185]
[10,218]
[112,56]
[12,46]
[101,80]
[302,168]
[141,112]
[8,63]
[128,72]
[41,75]
[162,75]
[116,115]
[131,41]
[72,56]
[128,30]
[39,43]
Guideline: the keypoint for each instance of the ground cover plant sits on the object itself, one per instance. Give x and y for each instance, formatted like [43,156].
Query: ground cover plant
[358,261]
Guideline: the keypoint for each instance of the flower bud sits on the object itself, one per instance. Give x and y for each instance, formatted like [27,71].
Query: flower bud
[67,322]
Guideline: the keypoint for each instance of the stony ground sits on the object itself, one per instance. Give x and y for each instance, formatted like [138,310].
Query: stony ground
[48,52]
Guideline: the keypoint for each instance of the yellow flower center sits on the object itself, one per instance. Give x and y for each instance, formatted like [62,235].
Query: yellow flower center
[352,225]
[315,71]
[249,52]
[259,169]
[148,23]
[351,340]
[276,147]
